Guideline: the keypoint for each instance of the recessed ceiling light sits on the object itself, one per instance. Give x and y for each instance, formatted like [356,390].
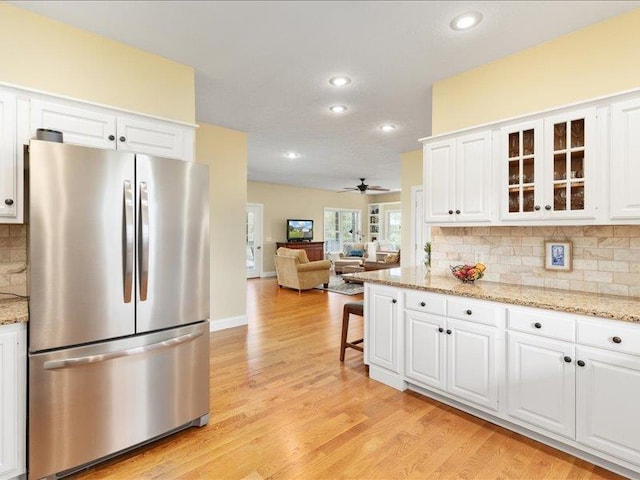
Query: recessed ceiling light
[466,20]
[292,155]
[387,127]
[340,81]
[338,108]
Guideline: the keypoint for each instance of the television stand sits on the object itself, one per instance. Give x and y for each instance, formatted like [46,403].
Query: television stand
[315,250]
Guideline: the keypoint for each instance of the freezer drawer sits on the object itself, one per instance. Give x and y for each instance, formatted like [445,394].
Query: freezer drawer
[89,402]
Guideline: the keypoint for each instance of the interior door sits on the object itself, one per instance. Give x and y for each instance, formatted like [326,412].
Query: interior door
[81,244]
[254,240]
[172,286]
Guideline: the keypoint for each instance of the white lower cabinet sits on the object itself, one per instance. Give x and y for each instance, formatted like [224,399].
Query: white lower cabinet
[382,334]
[541,382]
[570,379]
[12,400]
[608,389]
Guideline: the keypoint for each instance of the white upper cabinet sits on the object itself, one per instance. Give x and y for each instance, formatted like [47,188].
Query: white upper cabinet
[9,202]
[458,179]
[78,125]
[547,168]
[100,128]
[625,160]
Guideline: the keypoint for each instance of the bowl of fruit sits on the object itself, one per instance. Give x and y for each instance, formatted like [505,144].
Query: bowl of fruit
[468,273]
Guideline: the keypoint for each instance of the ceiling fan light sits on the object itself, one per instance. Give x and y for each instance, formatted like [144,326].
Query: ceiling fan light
[338,108]
[292,155]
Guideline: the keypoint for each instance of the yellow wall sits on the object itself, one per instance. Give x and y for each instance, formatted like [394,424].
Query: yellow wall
[385,197]
[225,151]
[411,168]
[47,55]
[591,62]
[283,201]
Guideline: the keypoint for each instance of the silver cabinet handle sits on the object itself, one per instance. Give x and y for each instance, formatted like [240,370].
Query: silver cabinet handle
[74,362]
[127,233]
[143,245]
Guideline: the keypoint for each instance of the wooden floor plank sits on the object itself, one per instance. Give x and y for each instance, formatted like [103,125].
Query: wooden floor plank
[284,407]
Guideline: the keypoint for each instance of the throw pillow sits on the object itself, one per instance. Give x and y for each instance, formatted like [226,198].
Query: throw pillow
[356,253]
[391,258]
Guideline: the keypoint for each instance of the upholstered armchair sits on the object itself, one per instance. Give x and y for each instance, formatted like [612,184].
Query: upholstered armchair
[294,270]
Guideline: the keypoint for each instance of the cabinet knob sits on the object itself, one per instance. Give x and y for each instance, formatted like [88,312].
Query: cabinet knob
[536,208]
[112,137]
[422,304]
[580,363]
[468,312]
[8,201]
[547,207]
[567,359]
[123,139]
[448,332]
[537,325]
[450,212]
[394,301]
[458,212]
[440,329]
[616,340]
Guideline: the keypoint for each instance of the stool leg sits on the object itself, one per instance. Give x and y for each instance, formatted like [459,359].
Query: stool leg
[345,329]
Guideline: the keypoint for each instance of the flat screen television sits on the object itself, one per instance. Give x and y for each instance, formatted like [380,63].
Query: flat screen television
[299,230]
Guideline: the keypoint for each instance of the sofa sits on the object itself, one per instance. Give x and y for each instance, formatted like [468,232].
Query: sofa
[294,270]
[353,255]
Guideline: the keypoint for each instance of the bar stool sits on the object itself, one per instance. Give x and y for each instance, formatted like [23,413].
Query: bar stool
[351,308]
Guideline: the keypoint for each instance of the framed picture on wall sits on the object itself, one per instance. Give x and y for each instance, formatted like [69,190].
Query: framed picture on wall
[557,255]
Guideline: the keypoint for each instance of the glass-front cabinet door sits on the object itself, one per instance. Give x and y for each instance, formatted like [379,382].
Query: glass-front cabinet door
[569,180]
[547,168]
[522,158]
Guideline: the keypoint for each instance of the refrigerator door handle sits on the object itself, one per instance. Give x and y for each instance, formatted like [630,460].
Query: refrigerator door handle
[143,246]
[77,361]
[127,230]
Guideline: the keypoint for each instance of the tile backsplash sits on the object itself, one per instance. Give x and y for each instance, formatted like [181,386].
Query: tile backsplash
[606,259]
[13,260]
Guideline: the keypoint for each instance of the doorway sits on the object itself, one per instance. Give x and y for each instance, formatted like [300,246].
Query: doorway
[254,240]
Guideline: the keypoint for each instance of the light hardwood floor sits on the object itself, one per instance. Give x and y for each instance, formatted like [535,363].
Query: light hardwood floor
[284,407]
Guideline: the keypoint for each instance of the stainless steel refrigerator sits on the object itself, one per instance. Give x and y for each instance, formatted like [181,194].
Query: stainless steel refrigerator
[119,308]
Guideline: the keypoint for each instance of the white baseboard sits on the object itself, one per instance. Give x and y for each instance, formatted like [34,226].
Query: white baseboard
[223,324]
[268,274]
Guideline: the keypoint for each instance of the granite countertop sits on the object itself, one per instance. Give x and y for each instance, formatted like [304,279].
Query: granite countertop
[582,303]
[14,310]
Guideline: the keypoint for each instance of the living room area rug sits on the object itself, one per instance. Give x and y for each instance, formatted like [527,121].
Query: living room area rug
[338,285]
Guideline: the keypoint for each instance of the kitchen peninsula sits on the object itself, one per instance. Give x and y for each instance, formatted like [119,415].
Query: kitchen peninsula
[558,366]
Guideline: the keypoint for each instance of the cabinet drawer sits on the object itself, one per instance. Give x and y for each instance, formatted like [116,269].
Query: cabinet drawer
[538,322]
[610,334]
[473,311]
[425,302]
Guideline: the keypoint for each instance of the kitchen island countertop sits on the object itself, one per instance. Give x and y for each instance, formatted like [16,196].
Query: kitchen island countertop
[14,310]
[581,303]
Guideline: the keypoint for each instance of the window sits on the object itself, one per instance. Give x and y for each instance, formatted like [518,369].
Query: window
[393,220]
[340,226]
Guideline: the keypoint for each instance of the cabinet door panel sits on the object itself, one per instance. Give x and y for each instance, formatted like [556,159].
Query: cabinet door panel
[439,175]
[424,349]
[473,177]
[151,137]
[9,433]
[471,363]
[541,384]
[608,416]
[78,126]
[381,328]
[625,167]
[8,159]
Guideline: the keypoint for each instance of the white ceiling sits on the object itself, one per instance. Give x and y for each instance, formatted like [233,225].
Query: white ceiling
[263,68]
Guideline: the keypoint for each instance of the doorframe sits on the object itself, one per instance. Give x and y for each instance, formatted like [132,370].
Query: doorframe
[419,230]
[259,246]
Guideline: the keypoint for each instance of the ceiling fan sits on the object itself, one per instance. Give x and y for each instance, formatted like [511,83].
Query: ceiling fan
[364,188]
